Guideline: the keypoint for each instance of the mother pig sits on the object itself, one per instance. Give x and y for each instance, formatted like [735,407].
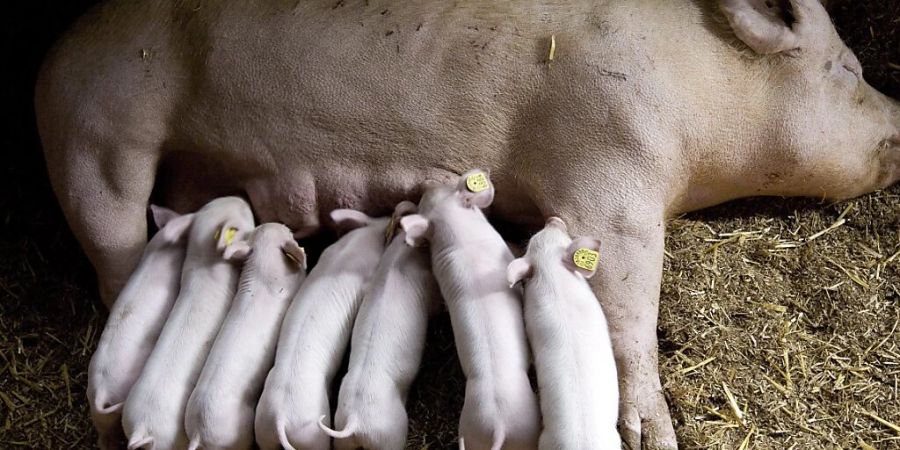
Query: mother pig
[642,110]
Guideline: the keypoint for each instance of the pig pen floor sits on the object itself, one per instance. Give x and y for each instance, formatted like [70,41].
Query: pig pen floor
[779,317]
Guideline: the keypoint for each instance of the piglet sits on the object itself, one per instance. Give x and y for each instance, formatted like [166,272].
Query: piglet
[314,336]
[153,416]
[567,330]
[386,348]
[469,259]
[220,411]
[134,324]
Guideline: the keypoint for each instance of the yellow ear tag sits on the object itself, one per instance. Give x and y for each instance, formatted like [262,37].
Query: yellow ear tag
[292,258]
[229,235]
[586,258]
[389,231]
[477,182]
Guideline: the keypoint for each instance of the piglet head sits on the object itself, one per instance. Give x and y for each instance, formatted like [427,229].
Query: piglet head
[275,242]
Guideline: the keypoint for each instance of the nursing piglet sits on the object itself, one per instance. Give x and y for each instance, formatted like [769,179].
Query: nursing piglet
[469,259]
[386,347]
[573,355]
[134,324]
[154,411]
[221,409]
[314,336]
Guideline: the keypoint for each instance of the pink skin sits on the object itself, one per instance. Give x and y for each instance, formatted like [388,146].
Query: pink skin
[153,416]
[469,259]
[650,109]
[567,331]
[134,324]
[314,337]
[220,411]
[386,348]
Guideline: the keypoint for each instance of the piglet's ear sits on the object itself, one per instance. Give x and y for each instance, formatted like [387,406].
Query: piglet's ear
[176,228]
[226,235]
[417,229]
[476,188]
[237,251]
[162,215]
[349,219]
[519,269]
[583,256]
[294,253]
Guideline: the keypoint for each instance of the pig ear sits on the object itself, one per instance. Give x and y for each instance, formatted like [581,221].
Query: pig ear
[226,235]
[237,251]
[583,256]
[175,228]
[519,269]
[476,188]
[349,219]
[294,253]
[162,215]
[417,228]
[770,27]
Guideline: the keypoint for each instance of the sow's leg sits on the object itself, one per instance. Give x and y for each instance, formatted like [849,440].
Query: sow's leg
[627,284]
[104,196]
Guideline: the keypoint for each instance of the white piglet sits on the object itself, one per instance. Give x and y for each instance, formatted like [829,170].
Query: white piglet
[153,416]
[469,259]
[134,324]
[573,355]
[220,411]
[314,336]
[386,347]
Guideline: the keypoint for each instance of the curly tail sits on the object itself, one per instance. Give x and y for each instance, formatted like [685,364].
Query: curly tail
[139,440]
[282,435]
[100,401]
[499,437]
[350,428]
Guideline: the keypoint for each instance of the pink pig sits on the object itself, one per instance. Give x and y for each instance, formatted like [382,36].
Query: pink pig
[220,411]
[314,336]
[153,416]
[469,259]
[134,324]
[386,348]
[573,356]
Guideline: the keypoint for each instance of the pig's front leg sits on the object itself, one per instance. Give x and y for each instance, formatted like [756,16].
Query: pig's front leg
[627,284]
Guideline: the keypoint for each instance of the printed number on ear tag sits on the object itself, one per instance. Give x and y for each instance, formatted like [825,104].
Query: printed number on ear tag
[477,182]
[586,258]
[229,235]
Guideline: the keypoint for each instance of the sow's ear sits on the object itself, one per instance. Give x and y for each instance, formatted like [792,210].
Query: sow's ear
[583,255]
[417,228]
[349,219]
[294,253]
[775,26]
[519,269]
[476,188]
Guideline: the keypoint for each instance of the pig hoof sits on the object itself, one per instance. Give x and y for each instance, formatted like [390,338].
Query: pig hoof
[644,422]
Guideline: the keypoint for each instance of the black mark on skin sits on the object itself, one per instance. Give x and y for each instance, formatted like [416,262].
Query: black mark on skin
[828,66]
[339,4]
[419,27]
[384,12]
[388,33]
[616,75]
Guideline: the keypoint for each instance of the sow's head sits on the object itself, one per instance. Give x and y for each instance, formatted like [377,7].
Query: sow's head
[840,136]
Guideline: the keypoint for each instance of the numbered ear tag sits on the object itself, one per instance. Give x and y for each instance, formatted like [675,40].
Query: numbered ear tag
[389,231]
[477,182]
[585,258]
[229,235]
[292,258]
